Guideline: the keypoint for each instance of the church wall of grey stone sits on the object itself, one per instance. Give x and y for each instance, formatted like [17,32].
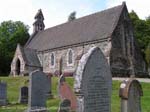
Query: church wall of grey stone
[78,51]
[128,59]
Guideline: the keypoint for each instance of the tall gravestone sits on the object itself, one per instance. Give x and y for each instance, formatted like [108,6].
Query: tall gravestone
[39,86]
[3,93]
[130,94]
[93,83]
[65,92]
[23,95]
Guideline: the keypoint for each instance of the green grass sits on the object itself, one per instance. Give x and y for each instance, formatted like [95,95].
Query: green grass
[14,83]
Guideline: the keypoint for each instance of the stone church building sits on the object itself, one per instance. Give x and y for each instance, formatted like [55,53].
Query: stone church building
[62,46]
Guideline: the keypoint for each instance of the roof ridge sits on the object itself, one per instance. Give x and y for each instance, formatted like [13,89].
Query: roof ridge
[79,30]
[81,18]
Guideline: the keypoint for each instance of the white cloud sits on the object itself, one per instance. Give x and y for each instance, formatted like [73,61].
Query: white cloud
[141,7]
[16,10]
[55,11]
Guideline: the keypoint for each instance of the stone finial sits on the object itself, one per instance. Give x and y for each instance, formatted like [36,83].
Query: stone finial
[123,3]
[72,16]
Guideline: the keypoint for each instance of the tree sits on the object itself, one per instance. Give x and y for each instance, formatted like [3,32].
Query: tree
[142,30]
[134,17]
[11,33]
[147,54]
[142,33]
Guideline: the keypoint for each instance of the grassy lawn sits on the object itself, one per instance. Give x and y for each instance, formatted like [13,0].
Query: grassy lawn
[15,83]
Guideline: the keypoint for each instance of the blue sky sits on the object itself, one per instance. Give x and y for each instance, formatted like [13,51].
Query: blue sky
[57,11]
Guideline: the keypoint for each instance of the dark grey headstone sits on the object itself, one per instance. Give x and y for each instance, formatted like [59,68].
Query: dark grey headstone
[23,96]
[93,83]
[65,106]
[130,93]
[3,93]
[60,82]
[38,91]
[62,79]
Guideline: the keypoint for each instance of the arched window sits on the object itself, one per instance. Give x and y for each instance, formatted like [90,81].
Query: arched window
[70,57]
[52,59]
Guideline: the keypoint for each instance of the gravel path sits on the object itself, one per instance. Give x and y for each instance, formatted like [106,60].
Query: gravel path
[139,79]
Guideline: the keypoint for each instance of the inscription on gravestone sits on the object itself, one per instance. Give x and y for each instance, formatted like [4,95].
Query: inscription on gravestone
[39,87]
[93,83]
[3,93]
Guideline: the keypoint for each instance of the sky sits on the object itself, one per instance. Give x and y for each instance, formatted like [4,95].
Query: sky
[57,11]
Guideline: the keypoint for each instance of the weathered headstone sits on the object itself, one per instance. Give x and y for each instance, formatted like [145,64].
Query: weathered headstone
[65,92]
[3,93]
[39,86]
[65,106]
[50,81]
[93,83]
[23,96]
[130,93]
[62,79]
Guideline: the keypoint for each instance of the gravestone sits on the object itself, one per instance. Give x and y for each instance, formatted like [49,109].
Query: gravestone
[3,93]
[65,92]
[64,106]
[39,86]
[130,94]
[23,96]
[62,79]
[60,83]
[50,95]
[93,83]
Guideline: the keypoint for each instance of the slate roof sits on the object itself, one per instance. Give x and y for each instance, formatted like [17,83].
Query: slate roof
[92,27]
[29,56]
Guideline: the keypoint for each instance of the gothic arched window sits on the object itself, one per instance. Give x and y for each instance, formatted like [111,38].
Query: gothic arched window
[52,59]
[70,57]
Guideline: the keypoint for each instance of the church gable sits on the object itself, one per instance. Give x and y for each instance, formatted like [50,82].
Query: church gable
[123,44]
[18,62]
[24,61]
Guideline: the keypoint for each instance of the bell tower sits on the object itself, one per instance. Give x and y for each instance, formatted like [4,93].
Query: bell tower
[38,25]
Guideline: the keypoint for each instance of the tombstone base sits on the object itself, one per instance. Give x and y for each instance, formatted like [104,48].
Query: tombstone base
[3,102]
[23,101]
[50,95]
[37,110]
